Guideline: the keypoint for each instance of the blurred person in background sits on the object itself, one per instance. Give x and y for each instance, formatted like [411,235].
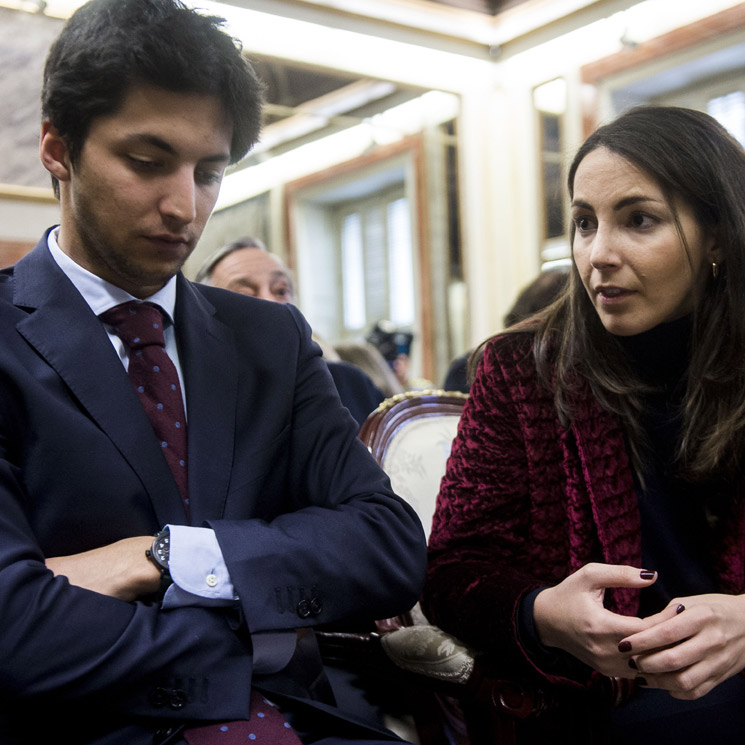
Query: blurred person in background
[394,345]
[246,266]
[367,357]
[542,291]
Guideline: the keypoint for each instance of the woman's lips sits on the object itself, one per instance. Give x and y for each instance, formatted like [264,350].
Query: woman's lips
[613,295]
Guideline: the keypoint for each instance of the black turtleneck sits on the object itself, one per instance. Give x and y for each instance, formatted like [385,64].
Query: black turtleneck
[674,527]
[673,522]
[675,539]
[675,536]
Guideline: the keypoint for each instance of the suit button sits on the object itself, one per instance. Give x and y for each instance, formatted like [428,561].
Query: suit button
[158,697]
[316,606]
[177,699]
[163,735]
[303,609]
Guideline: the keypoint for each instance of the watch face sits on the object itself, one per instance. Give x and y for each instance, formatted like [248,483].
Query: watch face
[161,548]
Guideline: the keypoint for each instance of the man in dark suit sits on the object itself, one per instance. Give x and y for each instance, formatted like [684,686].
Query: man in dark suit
[246,266]
[278,520]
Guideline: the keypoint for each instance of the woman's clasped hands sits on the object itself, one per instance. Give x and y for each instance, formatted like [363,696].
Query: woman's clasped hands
[688,648]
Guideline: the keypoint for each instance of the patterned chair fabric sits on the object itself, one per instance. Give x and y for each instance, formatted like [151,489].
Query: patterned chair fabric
[410,435]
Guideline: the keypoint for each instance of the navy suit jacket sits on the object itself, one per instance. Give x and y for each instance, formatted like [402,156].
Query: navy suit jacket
[356,390]
[308,525]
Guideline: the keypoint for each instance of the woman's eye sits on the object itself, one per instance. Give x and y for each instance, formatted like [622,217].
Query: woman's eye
[641,220]
[583,223]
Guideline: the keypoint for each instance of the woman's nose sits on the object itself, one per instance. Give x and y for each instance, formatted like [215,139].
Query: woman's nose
[604,251]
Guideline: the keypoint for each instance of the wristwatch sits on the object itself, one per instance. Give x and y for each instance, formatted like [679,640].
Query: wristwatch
[159,553]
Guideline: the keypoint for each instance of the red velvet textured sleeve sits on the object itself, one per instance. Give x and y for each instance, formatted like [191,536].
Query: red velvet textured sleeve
[500,524]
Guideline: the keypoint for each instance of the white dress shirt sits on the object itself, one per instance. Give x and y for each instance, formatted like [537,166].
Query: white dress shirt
[195,562]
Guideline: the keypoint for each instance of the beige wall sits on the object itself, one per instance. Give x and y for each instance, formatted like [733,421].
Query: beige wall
[592,50]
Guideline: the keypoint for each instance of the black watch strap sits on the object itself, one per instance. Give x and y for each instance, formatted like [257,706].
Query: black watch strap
[159,554]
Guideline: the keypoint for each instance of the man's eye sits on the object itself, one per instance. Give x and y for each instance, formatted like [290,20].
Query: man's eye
[282,292]
[209,177]
[143,164]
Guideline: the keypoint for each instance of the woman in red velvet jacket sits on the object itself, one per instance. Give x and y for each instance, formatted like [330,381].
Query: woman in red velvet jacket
[591,520]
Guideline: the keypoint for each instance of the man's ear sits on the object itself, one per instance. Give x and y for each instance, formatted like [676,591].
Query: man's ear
[53,152]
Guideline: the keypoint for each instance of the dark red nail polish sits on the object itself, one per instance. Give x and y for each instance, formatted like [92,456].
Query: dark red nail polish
[680,608]
[632,664]
[624,647]
[645,574]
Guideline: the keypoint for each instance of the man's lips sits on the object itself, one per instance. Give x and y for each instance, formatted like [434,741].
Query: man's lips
[166,240]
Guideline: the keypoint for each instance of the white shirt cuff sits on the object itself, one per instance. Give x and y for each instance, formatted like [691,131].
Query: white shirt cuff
[198,569]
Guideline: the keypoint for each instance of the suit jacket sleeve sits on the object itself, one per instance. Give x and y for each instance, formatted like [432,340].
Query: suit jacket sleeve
[334,542]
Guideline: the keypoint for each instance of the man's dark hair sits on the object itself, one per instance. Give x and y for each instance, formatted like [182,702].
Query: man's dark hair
[108,46]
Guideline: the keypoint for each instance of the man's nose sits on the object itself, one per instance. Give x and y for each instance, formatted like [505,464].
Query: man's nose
[265,293]
[179,200]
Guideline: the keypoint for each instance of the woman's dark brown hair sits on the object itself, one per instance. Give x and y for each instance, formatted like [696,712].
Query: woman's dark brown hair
[694,161]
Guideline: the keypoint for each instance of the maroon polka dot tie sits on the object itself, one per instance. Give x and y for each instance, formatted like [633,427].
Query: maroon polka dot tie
[154,376]
[267,726]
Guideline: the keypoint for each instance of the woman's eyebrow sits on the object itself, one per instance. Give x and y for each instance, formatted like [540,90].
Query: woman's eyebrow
[620,204]
[627,201]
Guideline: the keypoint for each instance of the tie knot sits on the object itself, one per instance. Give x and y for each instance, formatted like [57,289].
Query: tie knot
[137,324]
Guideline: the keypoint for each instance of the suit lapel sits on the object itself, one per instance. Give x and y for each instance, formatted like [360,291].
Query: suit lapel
[209,362]
[67,335]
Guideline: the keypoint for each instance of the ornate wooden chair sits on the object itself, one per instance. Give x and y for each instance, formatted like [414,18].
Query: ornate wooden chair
[410,436]
[455,699]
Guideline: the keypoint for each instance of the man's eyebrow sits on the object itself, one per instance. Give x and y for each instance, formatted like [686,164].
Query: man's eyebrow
[243,282]
[153,141]
[158,142]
